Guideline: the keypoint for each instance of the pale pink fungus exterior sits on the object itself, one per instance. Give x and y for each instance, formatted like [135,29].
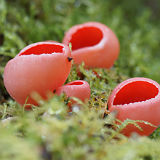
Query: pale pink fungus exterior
[79,89]
[94,44]
[40,67]
[137,99]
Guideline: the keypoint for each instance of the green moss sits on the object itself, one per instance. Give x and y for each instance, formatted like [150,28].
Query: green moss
[50,132]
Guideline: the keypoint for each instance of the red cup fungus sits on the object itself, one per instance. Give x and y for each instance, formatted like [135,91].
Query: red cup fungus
[137,99]
[40,67]
[79,89]
[94,44]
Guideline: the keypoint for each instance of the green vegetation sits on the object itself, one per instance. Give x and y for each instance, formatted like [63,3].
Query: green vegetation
[50,132]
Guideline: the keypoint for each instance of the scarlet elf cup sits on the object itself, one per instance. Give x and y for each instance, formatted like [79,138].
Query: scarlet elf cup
[94,44]
[40,67]
[137,99]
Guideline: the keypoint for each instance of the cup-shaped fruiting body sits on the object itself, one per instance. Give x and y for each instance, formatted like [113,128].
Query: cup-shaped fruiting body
[94,44]
[40,67]
[79,89]
[137,99]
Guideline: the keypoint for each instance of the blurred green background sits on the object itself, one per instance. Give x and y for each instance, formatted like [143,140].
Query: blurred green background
[22,22]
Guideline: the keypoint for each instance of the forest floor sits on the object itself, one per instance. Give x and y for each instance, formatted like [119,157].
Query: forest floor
[49,131]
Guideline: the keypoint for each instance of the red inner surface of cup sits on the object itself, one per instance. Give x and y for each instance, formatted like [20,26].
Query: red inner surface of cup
[43,49]
[86,37]
[76,83]
[135,92]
